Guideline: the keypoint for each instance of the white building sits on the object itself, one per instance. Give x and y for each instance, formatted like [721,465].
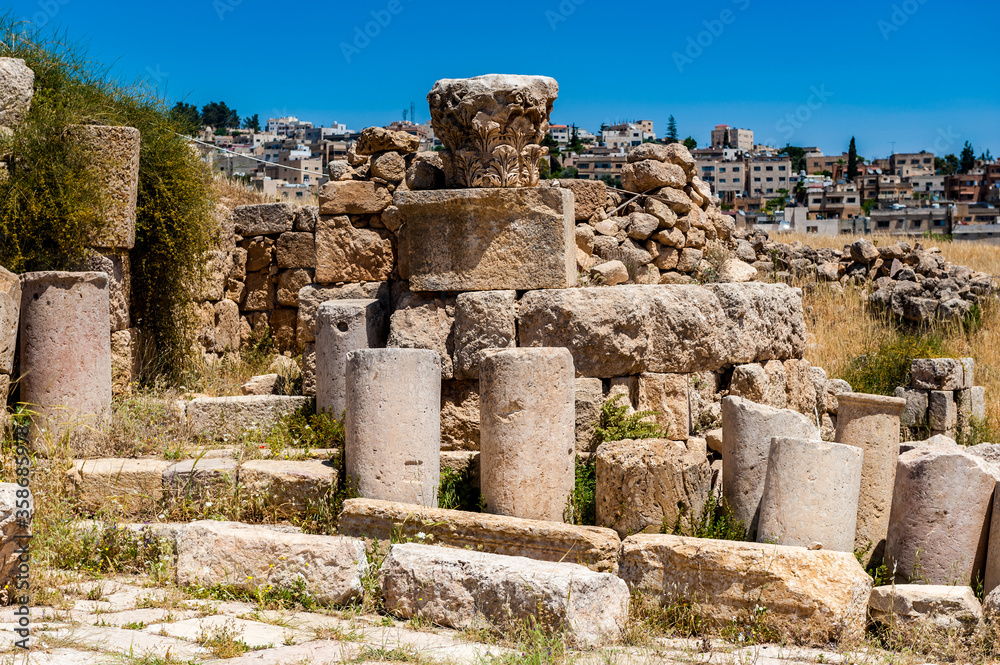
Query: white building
[284,126]
[627,135]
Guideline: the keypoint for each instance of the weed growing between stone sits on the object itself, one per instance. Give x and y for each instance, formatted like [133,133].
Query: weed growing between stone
[223,641]
[115,549]
[616,424]
[456,492]
[716,522]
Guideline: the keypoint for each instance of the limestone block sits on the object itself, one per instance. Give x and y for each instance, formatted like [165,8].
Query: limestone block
[306,218]
[17,87]
[10,310]
[484,320]
[629,330]
[811,494]
[747,431]
[750,382]
[490,239]
[590,196]
[254,557]
[528,440]
[200,480]
[113,153]
[940,519]
[943,373]
[118,268]
[609,273]
[389,166]
[16,514]
[589,546]
[734,270]
[971,406]
[800,388]
[130,485]
[667,396]
[226,337]
[314,295]
[353,197]
[347,254]
[942,411]
[947,607]
[426,171]
[296,250]
[459,415]
[259,292]
[648,175]
[871,422]
[646,485]
[282,322]
[492,127]
[915,411]
[777,379]
[425,321]
[393,424]
[264,219]
[343,326]
[220,416]
[65,355]
[589,400]
[465,589]
[288,488]
[376,139]
[817,596]
[835,388]
[265,384]
[290,282]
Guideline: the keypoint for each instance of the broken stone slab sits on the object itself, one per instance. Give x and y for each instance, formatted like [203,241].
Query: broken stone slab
[343,326]
[287,488]
[628,330]
[200,480]
[314,295]
[353,197]
[948,607]
[917,404]
[590,197]
[228,416]
[492,128]
[484,320]
[666,395]
[490,239]
[16,512]
[131,485]
[425,321]
[10,309]
[814,596]
[589,546]
[651,484]
[244,556]
[461,589]
[943,373]
[265,384]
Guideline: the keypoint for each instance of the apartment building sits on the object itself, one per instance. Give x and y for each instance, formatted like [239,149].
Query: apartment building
[927,186]
[835,201]
[907,165]
[767,177]
[911,221]
[563,134]
[599,162]
[627,135]
[965,187]
[817,162]
[284,126]
[724,136]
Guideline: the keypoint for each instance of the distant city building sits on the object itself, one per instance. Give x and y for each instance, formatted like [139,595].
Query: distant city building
[724,136]
[600,162]
[627,135]
[285,126]
[907,165]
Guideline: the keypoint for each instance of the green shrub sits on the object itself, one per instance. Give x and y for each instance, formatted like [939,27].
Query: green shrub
[716,522]
[50,205]
[582,507]
[455,491]
[888,367]
[617,425]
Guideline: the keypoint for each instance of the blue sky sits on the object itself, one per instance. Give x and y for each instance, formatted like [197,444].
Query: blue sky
[913,72]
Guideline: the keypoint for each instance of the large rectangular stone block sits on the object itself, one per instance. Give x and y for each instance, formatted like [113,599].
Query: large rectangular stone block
[131,484]
[10,308]
[490,239]
[218,416]
[631,330]
[348,254]
[590,546]
[816,596]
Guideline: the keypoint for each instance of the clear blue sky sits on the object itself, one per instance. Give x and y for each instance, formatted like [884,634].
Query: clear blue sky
[917,72]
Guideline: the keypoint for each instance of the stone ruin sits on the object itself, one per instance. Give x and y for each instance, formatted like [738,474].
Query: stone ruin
[437,301]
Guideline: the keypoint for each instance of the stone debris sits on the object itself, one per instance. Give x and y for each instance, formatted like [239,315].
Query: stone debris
[947,607]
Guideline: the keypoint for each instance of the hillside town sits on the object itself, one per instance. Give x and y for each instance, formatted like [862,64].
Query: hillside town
[797,189]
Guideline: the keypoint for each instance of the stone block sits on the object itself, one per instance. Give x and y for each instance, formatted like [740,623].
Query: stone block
[464,589]
[915,411]
[459,415]
[589,546]
[10,309]
[590,197]
[314,295]
[16,514]
[287,489]
[942,411]
[815,596]
[254,557]
[942,373]
[264,219]
[667,396]
[374,140]
[343,326]
[265,384]
[118,268]
[200,480]
[628,330]
[17,88]
[290,282]
[589,400]
[490,239]
[296,250]
[353,197]
[484,320]
[946,607]
[646,485]
[128,485]
[219,416]
[425,321]
[348,254]
[259,292]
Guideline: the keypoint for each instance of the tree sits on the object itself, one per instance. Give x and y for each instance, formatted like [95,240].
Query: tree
[551,144]
[252,123]
[798,157]
[187,117]
[852,161]
[672,130]
[986,157]
[690,143]
[968,158]
[947,165]
[218,114]
[868,206]
[575,145]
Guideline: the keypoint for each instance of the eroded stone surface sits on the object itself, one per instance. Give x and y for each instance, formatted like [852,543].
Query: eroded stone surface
[949,607]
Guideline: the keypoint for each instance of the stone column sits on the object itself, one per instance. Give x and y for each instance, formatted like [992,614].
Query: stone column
[991,577]
[940,519]
[343,326]
[747,430]
[65,356]
[811,494]
[10,308]
[393,424]
[871,422]
[527,432]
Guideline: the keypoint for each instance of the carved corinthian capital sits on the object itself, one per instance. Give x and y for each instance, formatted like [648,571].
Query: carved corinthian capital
[492,128]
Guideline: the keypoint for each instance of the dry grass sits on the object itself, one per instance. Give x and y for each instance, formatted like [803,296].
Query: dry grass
[232,193]
[841,328]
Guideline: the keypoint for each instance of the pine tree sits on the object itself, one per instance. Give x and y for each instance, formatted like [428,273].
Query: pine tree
[852,161]
[968,158]
[672,130]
